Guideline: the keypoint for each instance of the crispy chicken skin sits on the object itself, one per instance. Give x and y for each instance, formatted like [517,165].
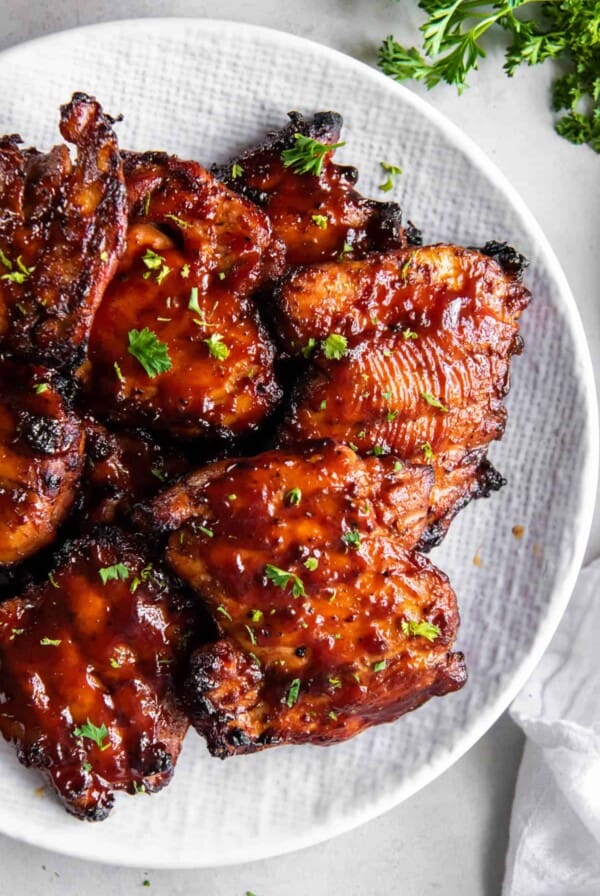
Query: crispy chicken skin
[77,653]
[195,251]
[62,228]
[292,200]
[41,459]
[121,469]
[430,334]
[304,562]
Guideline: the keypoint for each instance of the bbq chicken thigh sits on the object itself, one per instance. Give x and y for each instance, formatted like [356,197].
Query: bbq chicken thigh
[41,459]
[329,623]
[410,355]
[88,662]
[62,228]
[177,345]
[315,212]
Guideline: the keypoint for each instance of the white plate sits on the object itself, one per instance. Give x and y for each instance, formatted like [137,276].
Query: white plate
[205,89]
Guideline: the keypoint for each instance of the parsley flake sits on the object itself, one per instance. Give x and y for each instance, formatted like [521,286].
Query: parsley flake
[306,156]
[392,171]
[433,401]
[18,276]
[352,539]
[379,666]
[216,347]
[236,170]
[335,346]
[179,221]
[281,578]
[206,531]
[120,376]
[156,265]
[309,348]
[427,450]
[294,496]
[221,609]
[311,563]
[91,732]
[184,271]
[293,692]
[421,628]
[193,302]
[321,221]
[152,354]
[118,572]
[49,642]
[257,615]
[409,334]
[41,388]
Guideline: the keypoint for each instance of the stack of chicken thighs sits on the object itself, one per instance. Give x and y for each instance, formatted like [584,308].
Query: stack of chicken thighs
[236,408]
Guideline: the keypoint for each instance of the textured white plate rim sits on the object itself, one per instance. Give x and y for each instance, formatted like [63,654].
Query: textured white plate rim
[55,840]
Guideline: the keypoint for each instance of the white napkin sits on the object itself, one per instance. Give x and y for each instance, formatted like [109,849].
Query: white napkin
[554,847]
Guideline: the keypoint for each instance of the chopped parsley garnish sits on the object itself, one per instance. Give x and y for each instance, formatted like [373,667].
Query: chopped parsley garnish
[15,276]
[156,265]
[333,716]
[118,572]
[92,732]
[347,247]
[147,199]
[49,642]
[87,767]
[221,609]
[184,271]
[179,221]
[114,662]
[221,275]
[392,171]
[293,692]
[391,416]
[423,629]
[335,346]
[104,256]
[53,581]
[232,497]
[251,635]
[309,348]
[158,474]
[398,466]
[294,496]
[206,531]
[387,395]
[236,170]
[41,388]
[311,563]
[152,354]
[335,682]
[281,578]
[409,334]
[427,450]
[433,401]
[306,156]
[193,302]
[323,405]
[257,615]
[352,539]
[216,347]
[379,450]
[120,376]
[321,221]
[379,666]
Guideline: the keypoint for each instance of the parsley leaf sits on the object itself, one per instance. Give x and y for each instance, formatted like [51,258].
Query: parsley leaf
[564,30]
[98,735]
[293,692]
[433,401]
[294,496]
[152,354]
[423,629]
[306,156]
[427,450]
[282,579]
[352,539]
[49,642]
[236,170]
[118,572]
[216,347]
[321,221]
[379,666]
[335,346]
[311,563]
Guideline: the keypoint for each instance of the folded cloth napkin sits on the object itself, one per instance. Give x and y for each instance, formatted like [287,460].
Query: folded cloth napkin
[554,847]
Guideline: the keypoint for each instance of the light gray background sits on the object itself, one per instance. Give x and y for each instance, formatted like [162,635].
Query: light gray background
[450,837]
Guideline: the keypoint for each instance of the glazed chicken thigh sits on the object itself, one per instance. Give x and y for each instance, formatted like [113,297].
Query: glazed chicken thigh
[177,346]
[410,355]
[41,459]
[316,215]
[329,622]
[62,229]
[88,662]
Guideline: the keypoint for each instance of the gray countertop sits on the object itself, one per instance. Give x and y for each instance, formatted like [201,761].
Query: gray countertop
[451,837]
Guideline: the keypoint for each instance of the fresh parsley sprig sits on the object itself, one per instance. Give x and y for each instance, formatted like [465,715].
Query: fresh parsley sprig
[306,155]
[565,30]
